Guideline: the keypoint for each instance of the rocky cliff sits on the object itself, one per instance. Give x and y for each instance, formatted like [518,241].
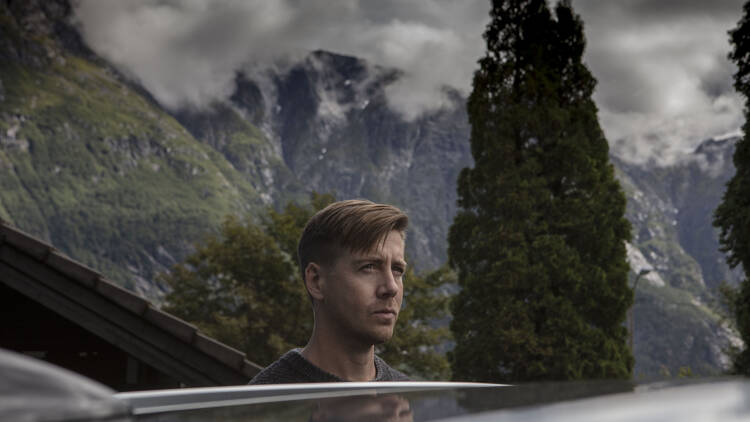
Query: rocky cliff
[331,130]
[678,319]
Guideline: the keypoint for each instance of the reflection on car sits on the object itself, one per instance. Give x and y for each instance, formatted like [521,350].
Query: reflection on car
[32,390]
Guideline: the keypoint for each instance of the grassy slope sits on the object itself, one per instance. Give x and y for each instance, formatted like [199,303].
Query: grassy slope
[226,130]
[109,178]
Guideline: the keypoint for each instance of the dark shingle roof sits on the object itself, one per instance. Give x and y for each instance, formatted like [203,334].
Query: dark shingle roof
[130,321]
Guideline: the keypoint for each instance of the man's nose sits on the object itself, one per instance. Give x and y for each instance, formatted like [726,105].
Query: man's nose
[389,285]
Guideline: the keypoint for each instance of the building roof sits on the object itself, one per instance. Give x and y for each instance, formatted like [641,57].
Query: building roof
[125,319]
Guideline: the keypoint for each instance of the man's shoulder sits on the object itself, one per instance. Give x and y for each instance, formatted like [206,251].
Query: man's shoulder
[278,370]
[292,368]
[387,373]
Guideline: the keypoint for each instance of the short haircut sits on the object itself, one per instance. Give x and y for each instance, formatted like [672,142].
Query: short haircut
[353,225]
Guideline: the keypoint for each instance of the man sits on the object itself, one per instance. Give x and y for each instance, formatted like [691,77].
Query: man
[351,255]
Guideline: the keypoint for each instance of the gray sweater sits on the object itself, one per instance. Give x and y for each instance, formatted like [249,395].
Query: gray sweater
[292,367]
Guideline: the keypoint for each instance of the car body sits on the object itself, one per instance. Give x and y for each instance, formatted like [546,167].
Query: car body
[31,390]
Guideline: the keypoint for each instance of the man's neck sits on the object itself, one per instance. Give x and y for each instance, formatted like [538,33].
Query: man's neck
[346,360]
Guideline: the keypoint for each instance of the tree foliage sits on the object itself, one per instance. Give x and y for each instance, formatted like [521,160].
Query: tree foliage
[732,216]
[539,240]
[242,287]
[419,334]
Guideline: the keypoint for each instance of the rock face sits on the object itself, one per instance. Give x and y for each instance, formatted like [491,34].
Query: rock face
[331,130]
[678,321]
[90,162]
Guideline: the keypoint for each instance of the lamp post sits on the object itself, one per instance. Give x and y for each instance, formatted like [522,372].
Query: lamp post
[641,273]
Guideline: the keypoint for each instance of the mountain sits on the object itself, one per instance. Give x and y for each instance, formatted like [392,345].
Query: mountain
[330,124]
[332,130]
[89,162]
[92,163]
[678,321]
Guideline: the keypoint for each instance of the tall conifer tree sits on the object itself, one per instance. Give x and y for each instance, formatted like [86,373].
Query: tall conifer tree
[733,214]
[539,239]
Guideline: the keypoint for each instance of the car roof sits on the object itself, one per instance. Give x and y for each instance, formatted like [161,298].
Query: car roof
[723,399]
[34,390]
[159,401]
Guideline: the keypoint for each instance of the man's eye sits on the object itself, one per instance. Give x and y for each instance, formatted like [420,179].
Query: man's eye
[368,267]
[398,270]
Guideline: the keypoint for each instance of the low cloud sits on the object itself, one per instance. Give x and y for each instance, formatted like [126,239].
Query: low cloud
[186,52]
[665,83]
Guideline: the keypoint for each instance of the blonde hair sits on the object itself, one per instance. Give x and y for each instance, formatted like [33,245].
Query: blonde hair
[353,225]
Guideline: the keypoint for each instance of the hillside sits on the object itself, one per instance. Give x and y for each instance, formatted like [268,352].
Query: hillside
[91,164]
[677,317]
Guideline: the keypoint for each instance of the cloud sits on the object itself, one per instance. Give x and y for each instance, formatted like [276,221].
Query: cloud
[428,56]
[664,80]
[186,52]
[183,52]
[665,83]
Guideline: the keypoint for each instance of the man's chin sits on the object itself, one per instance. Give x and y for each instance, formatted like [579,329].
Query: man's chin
[381,338]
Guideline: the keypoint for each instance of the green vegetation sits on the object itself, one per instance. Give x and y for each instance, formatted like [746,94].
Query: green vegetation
[733,214]
[419,332]
[243,288]
[107,176]
[691,331]
[539,240]
[241,143]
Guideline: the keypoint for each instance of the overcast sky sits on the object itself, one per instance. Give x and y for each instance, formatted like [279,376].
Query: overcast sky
[665,83]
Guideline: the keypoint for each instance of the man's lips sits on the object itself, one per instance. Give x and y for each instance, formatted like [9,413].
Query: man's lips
[385,316]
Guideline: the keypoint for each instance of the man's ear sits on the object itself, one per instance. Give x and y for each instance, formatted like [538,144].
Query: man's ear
[314,281]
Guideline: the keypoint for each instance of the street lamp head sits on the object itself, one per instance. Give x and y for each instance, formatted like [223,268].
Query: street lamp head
[631,319]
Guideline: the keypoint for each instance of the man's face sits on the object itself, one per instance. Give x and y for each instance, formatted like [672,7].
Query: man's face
[363,291]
